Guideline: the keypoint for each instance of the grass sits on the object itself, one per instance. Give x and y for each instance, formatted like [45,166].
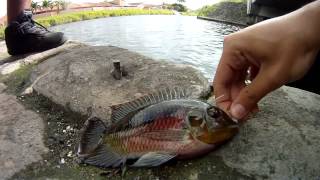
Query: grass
[19,80]
[189,13]
[206,10]
[86,15]
[236,1]
[2,32]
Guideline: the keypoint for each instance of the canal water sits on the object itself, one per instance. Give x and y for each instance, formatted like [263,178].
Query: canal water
[181,39]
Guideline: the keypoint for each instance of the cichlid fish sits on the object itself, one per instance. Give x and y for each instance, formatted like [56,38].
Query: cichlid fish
[154,129]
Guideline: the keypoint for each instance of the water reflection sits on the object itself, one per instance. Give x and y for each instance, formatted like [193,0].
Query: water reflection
[180,39]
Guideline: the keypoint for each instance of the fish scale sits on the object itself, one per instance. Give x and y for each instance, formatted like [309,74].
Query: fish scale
[146,138]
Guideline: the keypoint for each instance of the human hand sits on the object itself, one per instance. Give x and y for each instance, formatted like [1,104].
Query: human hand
[275,52]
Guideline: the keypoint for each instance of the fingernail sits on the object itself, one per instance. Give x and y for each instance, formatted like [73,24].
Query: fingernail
[238,111]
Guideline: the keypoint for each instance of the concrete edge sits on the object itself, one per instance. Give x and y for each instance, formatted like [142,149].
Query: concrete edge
[222,21]
[9,67]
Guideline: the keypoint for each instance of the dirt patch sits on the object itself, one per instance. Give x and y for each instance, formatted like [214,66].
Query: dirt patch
[62,129]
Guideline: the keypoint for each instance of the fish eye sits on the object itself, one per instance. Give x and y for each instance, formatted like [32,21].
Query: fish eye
[213,112]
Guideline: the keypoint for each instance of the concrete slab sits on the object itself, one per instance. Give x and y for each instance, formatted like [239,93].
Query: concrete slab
[281,141]
[9,64]
[81,79]
[21,136]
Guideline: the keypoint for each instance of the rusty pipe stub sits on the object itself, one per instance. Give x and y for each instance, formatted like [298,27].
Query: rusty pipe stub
[118,71]
[116,65]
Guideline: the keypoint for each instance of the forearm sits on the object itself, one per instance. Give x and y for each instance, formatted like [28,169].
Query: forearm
[308,18]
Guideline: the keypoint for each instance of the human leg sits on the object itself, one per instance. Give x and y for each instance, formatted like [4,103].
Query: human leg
[15,8]
[24,35]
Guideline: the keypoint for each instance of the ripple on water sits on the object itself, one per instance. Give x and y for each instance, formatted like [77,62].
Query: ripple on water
[180,39]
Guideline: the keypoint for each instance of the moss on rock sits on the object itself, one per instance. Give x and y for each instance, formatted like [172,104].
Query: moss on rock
[232,11]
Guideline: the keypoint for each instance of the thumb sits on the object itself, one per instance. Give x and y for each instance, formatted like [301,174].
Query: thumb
[250,95]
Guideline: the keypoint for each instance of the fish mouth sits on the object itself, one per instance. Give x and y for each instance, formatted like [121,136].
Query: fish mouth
[233,126]
[227,121]
[217,118]
[235,120]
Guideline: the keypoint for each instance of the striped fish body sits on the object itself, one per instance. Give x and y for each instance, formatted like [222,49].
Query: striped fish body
[162,127]
[154,129]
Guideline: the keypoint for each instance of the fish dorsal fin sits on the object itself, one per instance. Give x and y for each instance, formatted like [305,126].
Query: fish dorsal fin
[128,109]
[153,159]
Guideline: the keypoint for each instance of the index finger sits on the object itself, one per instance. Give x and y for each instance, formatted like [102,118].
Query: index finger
[230,68]
[221,83]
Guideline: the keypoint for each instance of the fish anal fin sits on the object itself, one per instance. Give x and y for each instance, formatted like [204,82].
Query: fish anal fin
[103,156]
[91,135]
[153,159]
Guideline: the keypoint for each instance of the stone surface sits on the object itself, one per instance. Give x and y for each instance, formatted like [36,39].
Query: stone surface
[2,87]
[21,136]
[3,51]
[281,141]
[82,80]
[12,63]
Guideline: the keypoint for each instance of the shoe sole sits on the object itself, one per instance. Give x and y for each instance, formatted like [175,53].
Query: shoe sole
[14,53]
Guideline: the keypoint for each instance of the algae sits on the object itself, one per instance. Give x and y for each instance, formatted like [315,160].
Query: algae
[18,80]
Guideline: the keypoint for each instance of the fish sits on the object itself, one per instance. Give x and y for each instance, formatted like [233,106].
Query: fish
[155,129]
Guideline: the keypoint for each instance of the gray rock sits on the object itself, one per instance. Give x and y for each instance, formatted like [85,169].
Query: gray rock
[281,141]
[3,50]
[81,80]
[2,87]
[21,136]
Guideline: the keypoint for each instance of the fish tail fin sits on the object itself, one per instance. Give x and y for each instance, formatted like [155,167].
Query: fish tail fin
[91,150]
[91,135]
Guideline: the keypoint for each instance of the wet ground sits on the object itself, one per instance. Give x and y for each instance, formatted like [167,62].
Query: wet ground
[61,136]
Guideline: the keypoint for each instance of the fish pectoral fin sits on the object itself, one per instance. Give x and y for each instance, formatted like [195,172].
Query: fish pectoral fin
[153,159]
[91,135]
[103,156]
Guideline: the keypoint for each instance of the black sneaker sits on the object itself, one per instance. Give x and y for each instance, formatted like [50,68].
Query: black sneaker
[25,35]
